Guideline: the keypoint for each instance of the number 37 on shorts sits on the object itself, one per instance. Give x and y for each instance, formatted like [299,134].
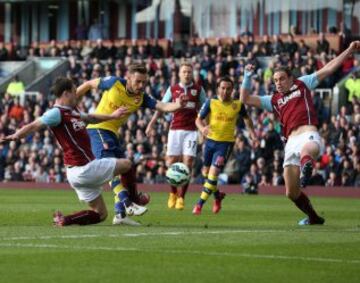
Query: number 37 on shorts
[182,142]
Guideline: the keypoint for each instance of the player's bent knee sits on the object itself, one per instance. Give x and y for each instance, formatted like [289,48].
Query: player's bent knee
[292,195]
[122,166]
[103,215]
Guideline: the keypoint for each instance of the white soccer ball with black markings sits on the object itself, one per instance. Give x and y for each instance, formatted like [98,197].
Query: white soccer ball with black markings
[178,174]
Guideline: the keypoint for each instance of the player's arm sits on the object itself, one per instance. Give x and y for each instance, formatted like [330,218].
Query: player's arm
[171,106]
[200,121]
[50,118]
[245,97]
[335,63]
[165,99]
[263,102]
[25,130]
[98,118]
[87,86]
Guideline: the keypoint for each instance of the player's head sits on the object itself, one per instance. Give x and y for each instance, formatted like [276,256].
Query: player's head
[283,79]
[64,88]
[225,87]
[186,73]
[137,78]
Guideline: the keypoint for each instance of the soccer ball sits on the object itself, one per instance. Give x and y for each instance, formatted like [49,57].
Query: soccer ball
[178,174]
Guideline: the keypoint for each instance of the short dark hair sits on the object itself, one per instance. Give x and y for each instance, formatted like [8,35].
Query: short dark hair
[62,84]
[285,70]
[225,79]
[137,68]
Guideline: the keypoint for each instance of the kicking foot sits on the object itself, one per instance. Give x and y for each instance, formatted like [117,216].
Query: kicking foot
[134,209]
[118,220]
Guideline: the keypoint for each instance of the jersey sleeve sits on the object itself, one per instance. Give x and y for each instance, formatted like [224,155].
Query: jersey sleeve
[107,82]
[266,102]
[311,81]
[51,118]
[202,97]
[205,109]
[167,96]
[149,102]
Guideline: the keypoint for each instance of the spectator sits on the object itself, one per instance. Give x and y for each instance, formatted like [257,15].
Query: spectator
[322,45]
[4,53]
[16,87]
[352,84]
[96,31]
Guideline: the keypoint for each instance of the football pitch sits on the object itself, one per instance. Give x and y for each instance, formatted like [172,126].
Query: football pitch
[253,239]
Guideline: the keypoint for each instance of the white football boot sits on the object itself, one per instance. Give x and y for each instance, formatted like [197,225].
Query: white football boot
[134,209]
[118,220]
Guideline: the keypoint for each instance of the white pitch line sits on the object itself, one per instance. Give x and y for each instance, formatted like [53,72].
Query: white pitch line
[217,254]
[175,233]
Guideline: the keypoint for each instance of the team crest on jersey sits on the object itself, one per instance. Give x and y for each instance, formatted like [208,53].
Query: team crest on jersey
[77,124]
[193,92]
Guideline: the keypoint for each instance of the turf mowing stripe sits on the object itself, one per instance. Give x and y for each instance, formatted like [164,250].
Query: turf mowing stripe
[179,233]
[280,257]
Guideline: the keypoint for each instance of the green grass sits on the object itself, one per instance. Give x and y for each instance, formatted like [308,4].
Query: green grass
[254,239]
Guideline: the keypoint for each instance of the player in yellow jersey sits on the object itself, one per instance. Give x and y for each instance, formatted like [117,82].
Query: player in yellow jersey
[222,114]
[129,93]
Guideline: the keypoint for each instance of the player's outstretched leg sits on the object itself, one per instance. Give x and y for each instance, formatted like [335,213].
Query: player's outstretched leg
[83,217]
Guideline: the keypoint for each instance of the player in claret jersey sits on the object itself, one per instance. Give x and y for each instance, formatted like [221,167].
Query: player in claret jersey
[182,137]
[292,104]
[85,174]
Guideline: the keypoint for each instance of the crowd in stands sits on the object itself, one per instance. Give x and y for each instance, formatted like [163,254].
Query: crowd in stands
[252,163]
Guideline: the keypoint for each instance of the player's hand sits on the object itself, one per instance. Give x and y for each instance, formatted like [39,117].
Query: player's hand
[355,46]
[13,137]
[182,100]
[120,112]
[148,130]
[249,70]
[205,131]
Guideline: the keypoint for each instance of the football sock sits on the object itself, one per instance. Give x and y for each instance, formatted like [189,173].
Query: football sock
[184,190]
[304,204]
[305,159]
[128,180]
[118,188]
[84,217]
[210,186]
[174,190]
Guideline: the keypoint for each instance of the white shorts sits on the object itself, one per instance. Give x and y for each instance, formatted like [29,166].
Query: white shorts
[87,180]
[295,144]
[182,142]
